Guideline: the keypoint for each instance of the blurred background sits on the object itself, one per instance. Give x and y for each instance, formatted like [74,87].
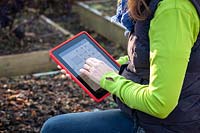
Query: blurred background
[31,88]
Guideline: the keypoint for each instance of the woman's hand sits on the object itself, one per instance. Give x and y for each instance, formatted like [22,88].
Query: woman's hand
[95,69]
[64,72]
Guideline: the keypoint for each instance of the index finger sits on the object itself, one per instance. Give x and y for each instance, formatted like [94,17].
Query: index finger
[95,59]
[91,61]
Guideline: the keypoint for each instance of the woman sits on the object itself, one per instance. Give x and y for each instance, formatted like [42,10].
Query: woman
[158,87]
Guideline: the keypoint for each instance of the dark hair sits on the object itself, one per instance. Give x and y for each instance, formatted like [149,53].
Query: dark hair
[139,9]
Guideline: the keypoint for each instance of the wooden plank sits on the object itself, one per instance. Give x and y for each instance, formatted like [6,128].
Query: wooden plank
[56,26]
[28,63]
[94,19]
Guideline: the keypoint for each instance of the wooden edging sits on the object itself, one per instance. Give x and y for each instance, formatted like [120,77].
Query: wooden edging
[56,26]
[94,19]
[28,63]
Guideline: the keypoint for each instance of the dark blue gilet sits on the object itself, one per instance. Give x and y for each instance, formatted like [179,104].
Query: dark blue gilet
[185,118]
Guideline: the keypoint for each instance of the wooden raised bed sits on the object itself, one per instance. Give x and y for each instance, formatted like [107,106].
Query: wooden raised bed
[39,61]
[20,64]
[101,24]
[28,63]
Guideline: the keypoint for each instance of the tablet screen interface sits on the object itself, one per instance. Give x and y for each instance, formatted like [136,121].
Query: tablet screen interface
[76,55]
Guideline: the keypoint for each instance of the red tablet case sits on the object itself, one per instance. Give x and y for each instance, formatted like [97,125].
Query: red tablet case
[73,77]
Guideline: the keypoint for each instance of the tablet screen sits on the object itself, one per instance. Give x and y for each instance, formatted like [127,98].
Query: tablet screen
[77,55]
[73,56]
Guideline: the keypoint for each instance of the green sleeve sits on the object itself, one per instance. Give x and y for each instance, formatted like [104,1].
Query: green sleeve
[172,35]
[122,60]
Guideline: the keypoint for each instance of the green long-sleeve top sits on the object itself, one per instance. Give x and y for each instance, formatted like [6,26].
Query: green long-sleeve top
[173,32]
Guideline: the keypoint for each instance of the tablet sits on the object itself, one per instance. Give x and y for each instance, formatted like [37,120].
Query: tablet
[71,56]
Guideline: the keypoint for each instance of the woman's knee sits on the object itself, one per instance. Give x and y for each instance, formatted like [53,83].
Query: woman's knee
[55,124]
[48,126]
